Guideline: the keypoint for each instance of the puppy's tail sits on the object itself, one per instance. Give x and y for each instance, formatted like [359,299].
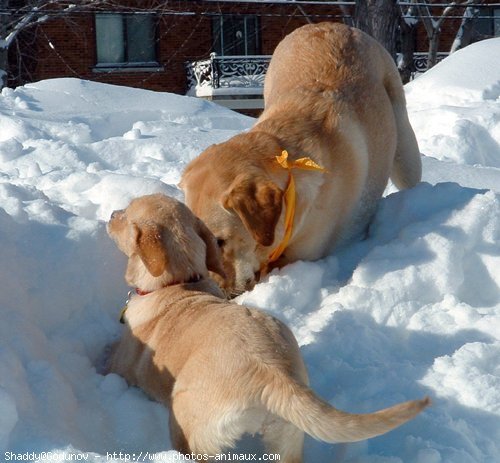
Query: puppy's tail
[299,405]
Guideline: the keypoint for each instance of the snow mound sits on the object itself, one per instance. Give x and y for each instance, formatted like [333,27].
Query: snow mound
[470,74]
[77,140]
[455,107]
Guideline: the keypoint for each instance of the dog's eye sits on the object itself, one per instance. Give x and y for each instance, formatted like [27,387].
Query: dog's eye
[221,242]
[117,214]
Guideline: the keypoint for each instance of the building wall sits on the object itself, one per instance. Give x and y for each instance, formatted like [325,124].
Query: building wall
[66,47]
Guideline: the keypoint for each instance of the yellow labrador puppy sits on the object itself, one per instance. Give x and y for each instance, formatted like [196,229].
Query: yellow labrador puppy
[222,370]
[332,94]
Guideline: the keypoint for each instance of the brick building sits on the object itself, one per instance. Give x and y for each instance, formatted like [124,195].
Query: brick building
[217,49]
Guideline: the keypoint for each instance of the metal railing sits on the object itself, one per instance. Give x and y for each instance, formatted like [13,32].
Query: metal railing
[247,72]
[228,71]
[420,60]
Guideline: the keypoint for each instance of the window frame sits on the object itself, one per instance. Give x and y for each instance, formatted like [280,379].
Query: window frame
[496,21]
[219,19]
[128,65]
[488,26]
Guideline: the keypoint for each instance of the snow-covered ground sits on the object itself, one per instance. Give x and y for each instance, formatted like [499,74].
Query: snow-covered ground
[412,310]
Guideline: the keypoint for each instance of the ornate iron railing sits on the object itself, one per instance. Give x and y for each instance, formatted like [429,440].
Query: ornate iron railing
[248,72]
[228,72]
[420,60]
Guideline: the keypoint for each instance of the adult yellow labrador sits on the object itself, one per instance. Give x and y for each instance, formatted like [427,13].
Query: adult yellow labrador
[223,370]
[334,95]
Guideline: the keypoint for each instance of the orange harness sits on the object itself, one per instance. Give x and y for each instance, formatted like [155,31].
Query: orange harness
[290,199]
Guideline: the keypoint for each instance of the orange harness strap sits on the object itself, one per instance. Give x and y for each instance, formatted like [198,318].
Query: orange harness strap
[290,199]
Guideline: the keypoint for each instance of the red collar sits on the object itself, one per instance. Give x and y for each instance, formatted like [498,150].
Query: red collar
[140,292]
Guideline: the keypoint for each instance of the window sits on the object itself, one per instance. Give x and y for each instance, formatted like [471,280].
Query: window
[125,40]
[488,25]
[236,35]
[496,22]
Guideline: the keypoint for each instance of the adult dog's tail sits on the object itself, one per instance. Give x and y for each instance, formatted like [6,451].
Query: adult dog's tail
[299,405]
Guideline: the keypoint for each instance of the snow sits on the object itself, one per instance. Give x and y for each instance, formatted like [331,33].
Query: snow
[459,96]
[450,82]
[412,310]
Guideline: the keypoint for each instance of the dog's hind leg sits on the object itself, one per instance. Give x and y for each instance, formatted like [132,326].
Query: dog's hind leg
[177,438]
[407,166]
[285,439]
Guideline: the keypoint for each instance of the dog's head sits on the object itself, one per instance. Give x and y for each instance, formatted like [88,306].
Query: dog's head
[241,205]
[164,242]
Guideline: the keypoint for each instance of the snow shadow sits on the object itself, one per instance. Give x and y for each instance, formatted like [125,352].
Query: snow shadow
[65,290]
[405,215]
[359,366]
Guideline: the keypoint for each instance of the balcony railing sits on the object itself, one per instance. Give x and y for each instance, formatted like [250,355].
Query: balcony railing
[241,74]
[244,75]
[420,60]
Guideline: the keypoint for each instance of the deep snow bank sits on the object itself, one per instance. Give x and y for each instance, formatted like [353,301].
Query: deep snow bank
[454,108]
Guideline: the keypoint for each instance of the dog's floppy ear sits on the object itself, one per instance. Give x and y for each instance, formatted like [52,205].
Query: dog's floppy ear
[258,202]
[150,247]
[213,257]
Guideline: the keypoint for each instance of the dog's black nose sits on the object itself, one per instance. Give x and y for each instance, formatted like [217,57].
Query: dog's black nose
[249,284]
